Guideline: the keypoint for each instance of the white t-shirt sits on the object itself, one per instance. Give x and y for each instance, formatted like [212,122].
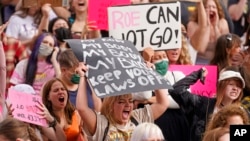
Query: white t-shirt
[23,28]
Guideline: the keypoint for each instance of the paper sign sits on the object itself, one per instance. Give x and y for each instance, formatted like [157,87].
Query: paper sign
[148,25]
[24,107]
[209,88]
[54,3]
[97,11]
[116,67]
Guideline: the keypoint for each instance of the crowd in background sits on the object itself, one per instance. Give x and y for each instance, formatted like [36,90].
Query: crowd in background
[34,55]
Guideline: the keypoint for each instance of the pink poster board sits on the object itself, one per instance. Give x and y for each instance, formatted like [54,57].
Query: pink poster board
[25,109]
[98,11]
[209,88]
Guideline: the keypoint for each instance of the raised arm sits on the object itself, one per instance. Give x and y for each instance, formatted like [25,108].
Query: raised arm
[2,74]
[2,68]
[236,10]
[161,104]
[88,115]
[199,32]
[54,132]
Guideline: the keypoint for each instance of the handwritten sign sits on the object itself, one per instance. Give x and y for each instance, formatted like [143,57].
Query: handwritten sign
[116,67]
[209,88]
[154,25]
[24,107]
[97,11]
[54,3]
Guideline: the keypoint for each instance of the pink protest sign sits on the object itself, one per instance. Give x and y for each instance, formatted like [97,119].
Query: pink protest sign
[98,11]
[209,88]
[24,107]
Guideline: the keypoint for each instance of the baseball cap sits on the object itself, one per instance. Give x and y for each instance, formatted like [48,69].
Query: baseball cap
[231,74]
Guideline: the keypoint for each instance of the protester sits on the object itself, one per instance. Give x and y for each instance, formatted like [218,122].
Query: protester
[114,122]
[199,108]
[56,99]
[24,24]
[147,131]
[204,28]
[41,65]
[68,64]
[173,115]
[226,47]
[228,115]
[12,130]
[81,27]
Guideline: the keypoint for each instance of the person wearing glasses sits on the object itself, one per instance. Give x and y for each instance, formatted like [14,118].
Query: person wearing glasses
[226,47]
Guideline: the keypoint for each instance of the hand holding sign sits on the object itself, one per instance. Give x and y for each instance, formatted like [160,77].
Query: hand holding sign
[44,112]
[115,67]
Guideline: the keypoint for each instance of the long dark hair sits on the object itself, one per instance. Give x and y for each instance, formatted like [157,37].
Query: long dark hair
[32,62]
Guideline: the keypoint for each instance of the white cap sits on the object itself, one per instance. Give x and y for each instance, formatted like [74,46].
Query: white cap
[231,74]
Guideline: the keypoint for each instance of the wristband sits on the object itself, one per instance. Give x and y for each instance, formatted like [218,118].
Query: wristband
[53,123]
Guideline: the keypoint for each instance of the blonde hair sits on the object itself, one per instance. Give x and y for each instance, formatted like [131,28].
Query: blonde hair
[145,131]
[108,106]
[184,58]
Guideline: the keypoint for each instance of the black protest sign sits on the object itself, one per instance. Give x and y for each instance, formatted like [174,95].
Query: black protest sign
[116,67]
[154,25]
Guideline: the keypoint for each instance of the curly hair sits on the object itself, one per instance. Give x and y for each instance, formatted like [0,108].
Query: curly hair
[194,16]
[220,119]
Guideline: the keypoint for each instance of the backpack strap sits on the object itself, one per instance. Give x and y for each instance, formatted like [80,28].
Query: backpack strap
[133,120]
[105,132]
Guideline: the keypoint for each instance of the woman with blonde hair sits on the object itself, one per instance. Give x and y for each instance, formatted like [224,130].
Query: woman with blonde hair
[117,119]
[147,131]
[180,56]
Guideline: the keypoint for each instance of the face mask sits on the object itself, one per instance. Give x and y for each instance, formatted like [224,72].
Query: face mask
[161,66]
[75,78]
[63,33]
[45,50]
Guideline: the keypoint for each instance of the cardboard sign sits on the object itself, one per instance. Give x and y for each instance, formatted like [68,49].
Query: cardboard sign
[98,11]
[54,3]
[154,25]
[116,67]
[24,107]
[209,88]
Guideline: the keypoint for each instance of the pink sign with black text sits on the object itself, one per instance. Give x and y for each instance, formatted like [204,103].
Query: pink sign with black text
[209,88]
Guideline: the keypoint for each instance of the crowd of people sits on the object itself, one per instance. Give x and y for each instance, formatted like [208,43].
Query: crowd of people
[34,54]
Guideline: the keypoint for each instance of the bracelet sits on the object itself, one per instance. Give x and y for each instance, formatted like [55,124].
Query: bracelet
[53,123]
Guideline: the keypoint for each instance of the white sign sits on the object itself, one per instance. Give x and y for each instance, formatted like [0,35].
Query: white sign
[155,25]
